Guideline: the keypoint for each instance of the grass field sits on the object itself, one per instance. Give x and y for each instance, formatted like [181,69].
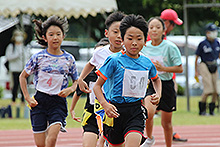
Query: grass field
[180,117]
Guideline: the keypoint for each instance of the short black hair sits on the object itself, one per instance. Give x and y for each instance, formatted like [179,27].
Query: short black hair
[114,17]
[137,21]
[102,42]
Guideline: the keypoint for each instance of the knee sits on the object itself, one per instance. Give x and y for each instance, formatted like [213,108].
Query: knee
[151,114]
[150,108]
[51,139]
[42,144]
[166,125]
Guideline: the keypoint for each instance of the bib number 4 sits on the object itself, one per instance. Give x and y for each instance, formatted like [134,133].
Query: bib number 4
[49,82]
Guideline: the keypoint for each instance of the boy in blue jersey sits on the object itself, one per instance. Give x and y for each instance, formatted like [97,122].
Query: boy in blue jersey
[127,73]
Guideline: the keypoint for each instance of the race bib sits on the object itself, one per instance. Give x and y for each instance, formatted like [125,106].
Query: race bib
[92,94]
[135,83]
[49,83]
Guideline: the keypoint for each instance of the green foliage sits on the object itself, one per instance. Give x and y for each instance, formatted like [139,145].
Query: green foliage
[181,90]
[93,28]
[1,92]
[197,17]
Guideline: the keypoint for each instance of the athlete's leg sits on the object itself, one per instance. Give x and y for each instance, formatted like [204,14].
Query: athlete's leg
[39,139]
[101,141]
[89,139]
[133,139]
[166,122]
[151,111]
[52,134]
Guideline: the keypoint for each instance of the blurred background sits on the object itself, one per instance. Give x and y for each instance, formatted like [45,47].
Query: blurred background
[86,27]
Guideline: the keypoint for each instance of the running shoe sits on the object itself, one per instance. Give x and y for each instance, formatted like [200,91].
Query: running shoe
[148,142]
[177,137]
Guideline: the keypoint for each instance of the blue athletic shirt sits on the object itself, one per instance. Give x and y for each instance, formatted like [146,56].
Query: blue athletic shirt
[51,71]
[166,53]
[121,70]
[208,51]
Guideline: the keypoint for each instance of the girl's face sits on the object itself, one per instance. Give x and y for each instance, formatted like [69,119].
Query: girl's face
[134,41]
[114,36]
[54,37]
[19,39]
[155,30]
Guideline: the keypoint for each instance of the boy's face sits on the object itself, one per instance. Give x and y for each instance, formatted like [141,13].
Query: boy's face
[114,36]
[134,41]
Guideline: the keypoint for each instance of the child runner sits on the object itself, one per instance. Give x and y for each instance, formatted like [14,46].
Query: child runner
[89,123]
[126,75]
[166,57]
[112,32]
[51,68]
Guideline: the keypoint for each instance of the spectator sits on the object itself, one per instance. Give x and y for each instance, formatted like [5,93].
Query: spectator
[209,51]
[15,57]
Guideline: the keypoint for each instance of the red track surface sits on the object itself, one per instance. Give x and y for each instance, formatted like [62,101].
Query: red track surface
[198,136]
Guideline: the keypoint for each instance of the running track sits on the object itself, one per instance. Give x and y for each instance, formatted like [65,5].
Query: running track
[198,136]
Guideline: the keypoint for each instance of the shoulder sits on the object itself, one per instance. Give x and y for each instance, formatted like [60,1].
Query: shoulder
[115,56]
[67,54]
[170,43]
[204,42]
[10,45]
[144,58]
[148,43]
[101,49]
[217,41]
[40,53]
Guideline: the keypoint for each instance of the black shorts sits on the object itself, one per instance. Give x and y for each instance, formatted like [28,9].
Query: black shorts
[132,119]
[89,122]
[51,109]
[168,97]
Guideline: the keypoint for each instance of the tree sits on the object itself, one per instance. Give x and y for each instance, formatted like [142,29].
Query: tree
[197,18]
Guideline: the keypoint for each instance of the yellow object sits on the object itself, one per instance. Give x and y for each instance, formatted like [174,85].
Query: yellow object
[197,79]
[85,117]
[28,104]
[97,106]
[108,121]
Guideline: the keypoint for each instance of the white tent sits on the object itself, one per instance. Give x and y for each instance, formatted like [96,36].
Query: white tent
[62,8]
